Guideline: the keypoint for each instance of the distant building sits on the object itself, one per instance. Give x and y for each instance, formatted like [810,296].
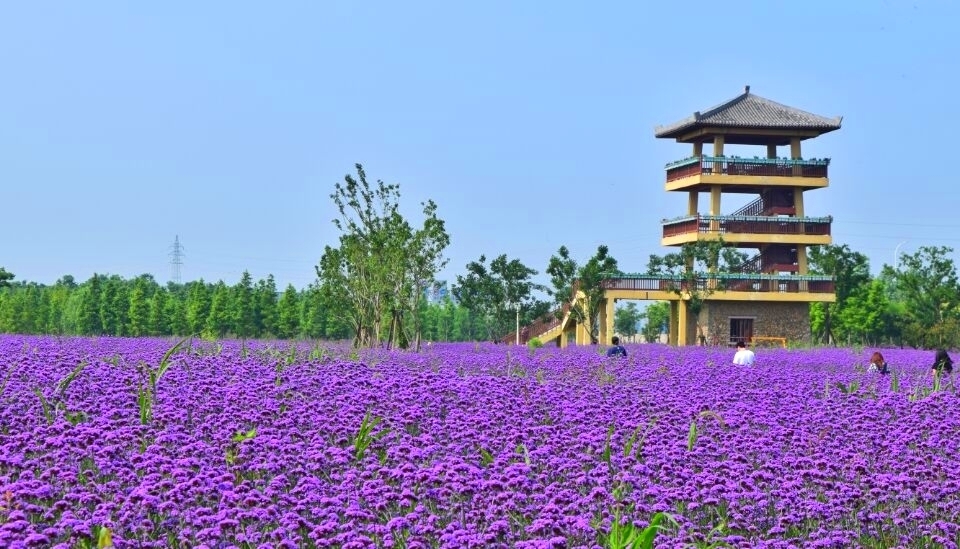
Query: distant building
[436,292]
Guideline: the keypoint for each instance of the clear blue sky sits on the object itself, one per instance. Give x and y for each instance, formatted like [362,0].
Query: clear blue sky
[123,124]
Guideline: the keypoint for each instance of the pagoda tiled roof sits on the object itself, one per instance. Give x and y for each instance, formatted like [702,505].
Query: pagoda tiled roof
[749,110]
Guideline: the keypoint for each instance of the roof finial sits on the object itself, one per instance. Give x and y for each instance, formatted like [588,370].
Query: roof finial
[746,89]
[696,115]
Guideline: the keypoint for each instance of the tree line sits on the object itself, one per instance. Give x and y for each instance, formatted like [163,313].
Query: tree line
[114,306]
[372,287]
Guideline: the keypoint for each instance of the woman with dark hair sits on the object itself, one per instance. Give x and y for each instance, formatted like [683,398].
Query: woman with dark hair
[942,363]
[878,364]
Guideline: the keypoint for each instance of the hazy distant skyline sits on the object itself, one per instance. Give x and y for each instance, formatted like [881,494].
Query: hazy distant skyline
[123,125]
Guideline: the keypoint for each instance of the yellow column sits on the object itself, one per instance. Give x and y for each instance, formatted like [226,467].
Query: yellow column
[682,324]
[563,339]
[718,145]
[798,201]
[583,337]
[715,207]
[771,151]
[672,327]
[795,154]
[698,149]
[607,323]
[603,336]
[693,203]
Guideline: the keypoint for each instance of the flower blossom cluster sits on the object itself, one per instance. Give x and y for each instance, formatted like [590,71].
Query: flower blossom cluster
[272,444]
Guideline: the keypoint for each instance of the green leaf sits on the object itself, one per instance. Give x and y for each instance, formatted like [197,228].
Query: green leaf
[692,436]
[104,538]
[165,361]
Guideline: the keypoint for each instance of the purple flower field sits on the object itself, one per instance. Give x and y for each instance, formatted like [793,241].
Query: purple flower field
[463,445]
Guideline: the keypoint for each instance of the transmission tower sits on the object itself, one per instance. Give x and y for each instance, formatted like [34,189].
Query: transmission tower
[177,259]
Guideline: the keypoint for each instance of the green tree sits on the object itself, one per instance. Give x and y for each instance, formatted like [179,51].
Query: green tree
[265,307]
[71,312]
[113,306]
[90,322]
[5,277]
[927,284]
[158,321]
[57,298]
[198,306]
[219,320]
[288,313]
[380,261]
[175,312]
[864,317]
[627,318]
[566,277]
[655,316]
[497,293]
[138,310]
[424,259]
[850,271]
[243,313]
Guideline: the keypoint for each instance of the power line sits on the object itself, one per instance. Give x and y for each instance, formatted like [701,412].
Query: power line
[177,259]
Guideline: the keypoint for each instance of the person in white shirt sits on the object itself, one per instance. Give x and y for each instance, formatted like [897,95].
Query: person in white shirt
[744,356]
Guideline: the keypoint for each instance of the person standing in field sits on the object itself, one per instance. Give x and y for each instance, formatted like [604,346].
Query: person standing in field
[942,363]
[744,356]
[617,349]
[878,364]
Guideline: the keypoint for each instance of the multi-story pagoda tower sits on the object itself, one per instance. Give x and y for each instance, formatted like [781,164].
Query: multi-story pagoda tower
[768,296]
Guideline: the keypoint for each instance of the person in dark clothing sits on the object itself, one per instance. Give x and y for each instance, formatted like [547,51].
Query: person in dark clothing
[617,349]
[942,363]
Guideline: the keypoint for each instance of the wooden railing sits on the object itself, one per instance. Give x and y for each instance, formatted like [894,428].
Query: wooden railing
[543,324]
[534,329]
[770,202]
[732,165]
[747,224]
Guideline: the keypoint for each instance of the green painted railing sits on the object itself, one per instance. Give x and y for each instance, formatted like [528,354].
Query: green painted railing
[761,218]
[756,161]
[728,282]
[747,224]
[722,276]
[735,165]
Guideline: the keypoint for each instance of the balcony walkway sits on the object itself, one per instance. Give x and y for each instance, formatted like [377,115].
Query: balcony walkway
[733,165]
[721,287]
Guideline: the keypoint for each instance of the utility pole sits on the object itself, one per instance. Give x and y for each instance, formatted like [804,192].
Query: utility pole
[177,259]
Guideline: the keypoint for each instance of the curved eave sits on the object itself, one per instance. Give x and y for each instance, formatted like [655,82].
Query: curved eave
[698,132]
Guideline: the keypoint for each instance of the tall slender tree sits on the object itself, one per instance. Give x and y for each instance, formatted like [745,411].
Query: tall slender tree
[220,320]
[139,310]
[198,306]
[243,307]
[90,323]
[288,313]
[159,321]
